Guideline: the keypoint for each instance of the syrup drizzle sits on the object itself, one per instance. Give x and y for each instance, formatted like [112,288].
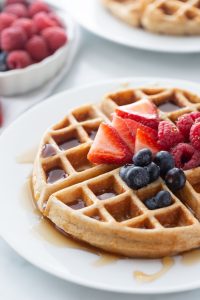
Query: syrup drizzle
[190,258]
[167,263]
[28,156]
[168,107]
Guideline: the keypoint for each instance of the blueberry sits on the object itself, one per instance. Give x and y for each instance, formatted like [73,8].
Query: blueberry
[3,64]
[143,157]
[137,177]
[153,170]
[163,199]
[151,203]
[175,179]
[123,171]
[165,161]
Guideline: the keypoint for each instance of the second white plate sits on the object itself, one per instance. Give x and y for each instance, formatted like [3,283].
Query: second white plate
[94,17]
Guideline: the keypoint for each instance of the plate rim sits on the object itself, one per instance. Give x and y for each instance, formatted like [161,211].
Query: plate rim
[74,278]
[150,48]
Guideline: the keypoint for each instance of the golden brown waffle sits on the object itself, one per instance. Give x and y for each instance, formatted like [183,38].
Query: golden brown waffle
[129,11]
[174,17]
[99,208]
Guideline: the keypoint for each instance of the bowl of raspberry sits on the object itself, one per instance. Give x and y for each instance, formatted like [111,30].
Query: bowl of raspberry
[34,43]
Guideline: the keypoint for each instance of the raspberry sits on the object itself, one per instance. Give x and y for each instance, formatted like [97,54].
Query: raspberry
[57,19]
[27,24]
[168,135]
[13,38]
[38,6]
[37,48]
[18,59]
[42,21]
[17,9]
[195,115]
[6,20]
[56,37]
[197,120]
[185,123]
[195,135]
[186,156]
[7,2]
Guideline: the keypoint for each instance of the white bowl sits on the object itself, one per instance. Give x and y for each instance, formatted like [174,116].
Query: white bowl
[20,81]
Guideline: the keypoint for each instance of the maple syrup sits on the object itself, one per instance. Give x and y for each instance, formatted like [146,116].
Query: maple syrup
[167,263]
[55,174]
[28,156]
[48,150]
[69,144]
[168,107]
[190,258]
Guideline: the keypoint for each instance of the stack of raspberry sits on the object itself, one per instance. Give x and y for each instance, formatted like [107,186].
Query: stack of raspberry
[182,140]
[29,32]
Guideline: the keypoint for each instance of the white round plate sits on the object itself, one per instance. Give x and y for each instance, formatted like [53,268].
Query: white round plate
[93,16]
[18,221]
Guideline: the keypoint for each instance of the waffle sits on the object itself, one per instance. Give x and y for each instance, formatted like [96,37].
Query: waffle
[99,208]
[174,17]
[129,11]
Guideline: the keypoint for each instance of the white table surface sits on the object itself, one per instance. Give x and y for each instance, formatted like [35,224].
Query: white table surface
[97,60]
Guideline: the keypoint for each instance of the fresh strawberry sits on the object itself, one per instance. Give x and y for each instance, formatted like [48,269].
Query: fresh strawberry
[144,140]
[123,130]
[108,147]
[133,126]
[142,111]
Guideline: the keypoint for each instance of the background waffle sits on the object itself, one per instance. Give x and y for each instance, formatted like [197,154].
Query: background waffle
[103,211]
[175,17]
[128,11]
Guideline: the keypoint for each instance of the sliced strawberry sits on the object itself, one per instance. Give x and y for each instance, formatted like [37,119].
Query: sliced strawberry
[108,147]
[123,130]
[142,111]
[144,140]
[133,126]
[1,115]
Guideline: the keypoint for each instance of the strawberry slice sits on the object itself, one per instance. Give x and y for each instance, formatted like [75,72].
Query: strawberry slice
[108,147]
[144,140]
[142,111]
[123,130]
[133,126]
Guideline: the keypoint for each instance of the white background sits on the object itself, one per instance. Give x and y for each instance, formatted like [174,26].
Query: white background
[97,60]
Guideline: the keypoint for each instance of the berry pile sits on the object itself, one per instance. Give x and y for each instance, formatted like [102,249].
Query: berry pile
[144,170]
[133,128]
[137,126]
[141,172]
[29,32]
[186,153]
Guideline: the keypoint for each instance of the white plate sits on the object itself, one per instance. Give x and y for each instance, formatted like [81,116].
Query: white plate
[18,223]
[94,17]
